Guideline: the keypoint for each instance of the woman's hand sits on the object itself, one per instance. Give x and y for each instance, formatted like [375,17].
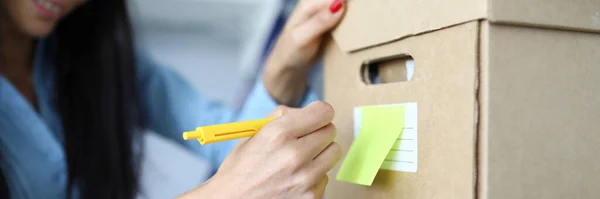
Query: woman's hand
[288,158]
[298,48]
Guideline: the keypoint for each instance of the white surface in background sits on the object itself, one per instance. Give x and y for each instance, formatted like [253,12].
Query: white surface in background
[215,44]
[210,66]
[168,169]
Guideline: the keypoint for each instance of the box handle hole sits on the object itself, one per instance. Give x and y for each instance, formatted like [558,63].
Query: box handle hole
[388,70]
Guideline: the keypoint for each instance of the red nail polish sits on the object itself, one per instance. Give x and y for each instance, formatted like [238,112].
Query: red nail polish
[335,6]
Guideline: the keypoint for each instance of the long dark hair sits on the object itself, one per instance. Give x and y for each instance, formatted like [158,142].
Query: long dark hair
[93,53]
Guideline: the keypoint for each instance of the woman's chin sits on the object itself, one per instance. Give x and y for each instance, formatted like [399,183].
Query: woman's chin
[39,30]
[40,33]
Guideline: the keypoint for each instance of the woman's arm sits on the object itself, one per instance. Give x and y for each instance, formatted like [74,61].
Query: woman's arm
[288,158]
[172,106]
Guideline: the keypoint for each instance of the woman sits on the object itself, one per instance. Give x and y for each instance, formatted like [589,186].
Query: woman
[75,95]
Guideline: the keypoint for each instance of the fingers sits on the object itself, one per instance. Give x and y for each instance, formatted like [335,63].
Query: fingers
[323,163]
[306,9]
[317,141]
[276,113]
[326,160]
[319,190]
[280,111]
[305,121]
[316,20]
[314,27]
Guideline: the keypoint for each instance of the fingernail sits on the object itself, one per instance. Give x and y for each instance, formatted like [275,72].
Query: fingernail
[335,6]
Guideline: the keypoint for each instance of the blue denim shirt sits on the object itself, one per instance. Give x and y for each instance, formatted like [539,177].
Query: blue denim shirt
[32,157]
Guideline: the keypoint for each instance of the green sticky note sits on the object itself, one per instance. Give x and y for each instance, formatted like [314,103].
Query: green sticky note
[380,127]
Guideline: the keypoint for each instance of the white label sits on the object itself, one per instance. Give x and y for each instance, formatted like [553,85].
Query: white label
[404,155]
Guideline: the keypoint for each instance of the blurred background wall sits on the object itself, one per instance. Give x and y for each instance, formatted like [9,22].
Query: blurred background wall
[219,47]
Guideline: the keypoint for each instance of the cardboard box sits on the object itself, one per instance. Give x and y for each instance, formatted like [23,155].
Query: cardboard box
[508,95]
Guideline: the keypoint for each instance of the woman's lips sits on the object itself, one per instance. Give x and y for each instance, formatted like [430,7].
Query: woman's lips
[49,8]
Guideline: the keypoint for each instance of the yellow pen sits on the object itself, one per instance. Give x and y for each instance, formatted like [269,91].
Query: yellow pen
[225,132]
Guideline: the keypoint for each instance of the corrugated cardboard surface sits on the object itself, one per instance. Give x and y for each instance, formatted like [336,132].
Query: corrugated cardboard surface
[561,14]
[443,85]
[540,114]
[533,94]
[380,21]
[482,113]
[369,23]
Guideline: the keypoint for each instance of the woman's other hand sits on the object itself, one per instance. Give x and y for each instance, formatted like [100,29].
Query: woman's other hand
[288,158]
[298,48]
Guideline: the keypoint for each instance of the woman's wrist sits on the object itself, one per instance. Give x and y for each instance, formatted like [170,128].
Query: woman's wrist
[212,188]
[286,85]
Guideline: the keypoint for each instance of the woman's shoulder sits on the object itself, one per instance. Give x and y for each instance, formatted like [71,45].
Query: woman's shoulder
[147,66]
[155,77]
[149,70]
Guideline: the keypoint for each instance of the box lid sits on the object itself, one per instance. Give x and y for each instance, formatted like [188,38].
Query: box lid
[372,22]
